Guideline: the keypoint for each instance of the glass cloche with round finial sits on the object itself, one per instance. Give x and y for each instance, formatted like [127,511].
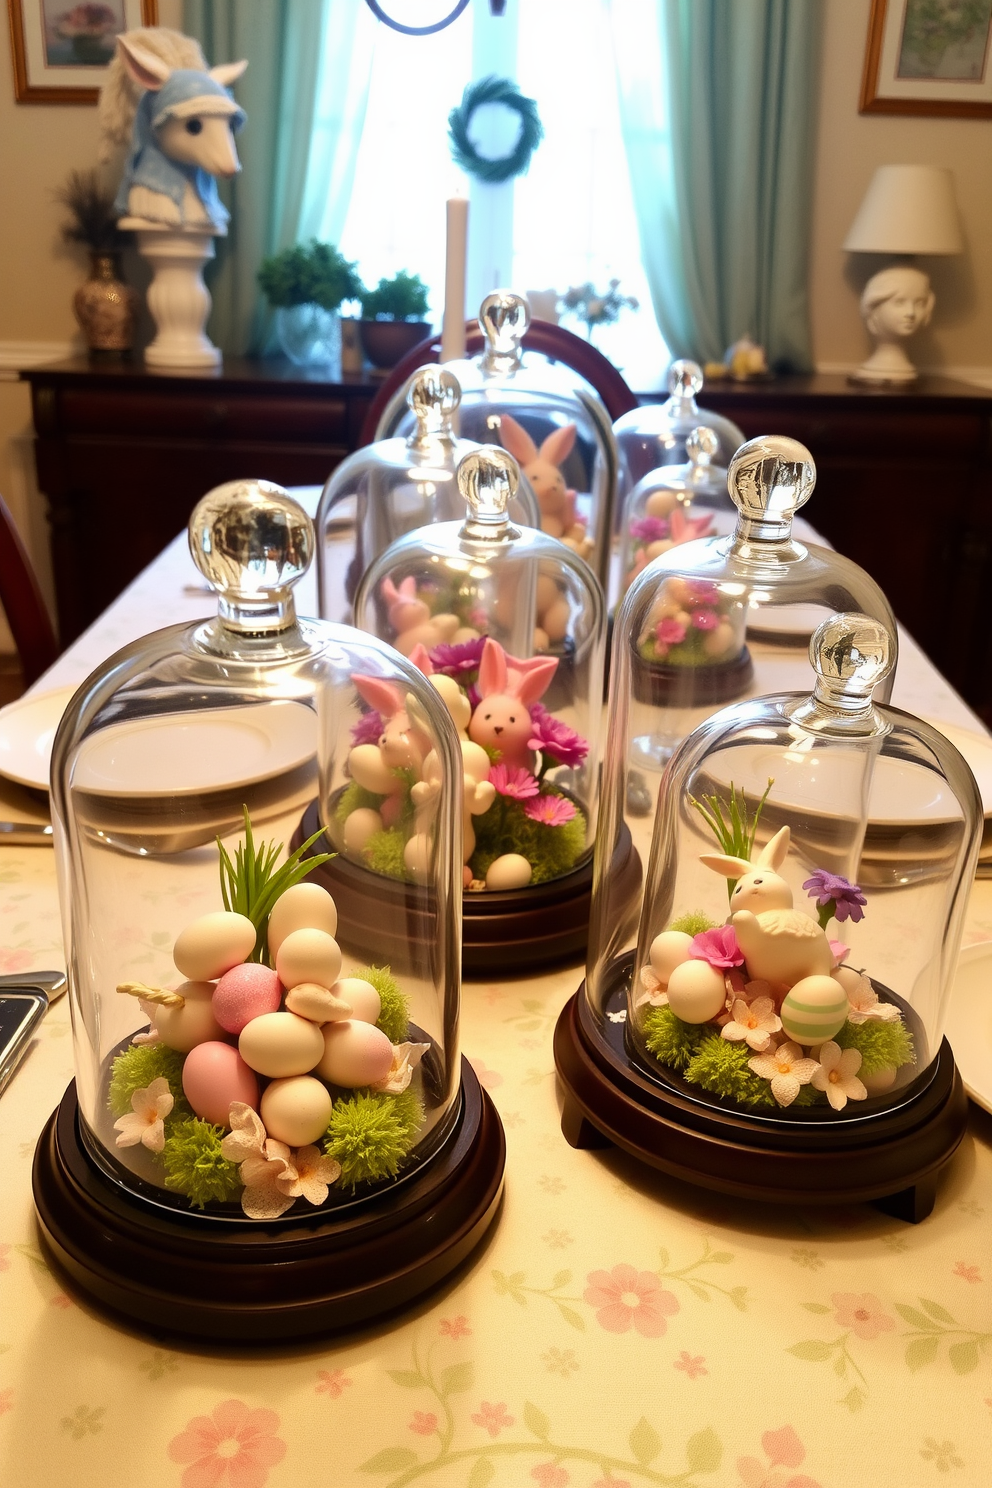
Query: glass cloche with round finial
[657,434]
[235,1055]
[508,623]
[394,485]
[547,417]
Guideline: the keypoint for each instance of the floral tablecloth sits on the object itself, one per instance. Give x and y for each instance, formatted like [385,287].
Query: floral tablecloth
[616,1329]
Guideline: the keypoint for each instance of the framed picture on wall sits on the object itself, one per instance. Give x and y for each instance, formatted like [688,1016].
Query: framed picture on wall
[929,57]
[61,48]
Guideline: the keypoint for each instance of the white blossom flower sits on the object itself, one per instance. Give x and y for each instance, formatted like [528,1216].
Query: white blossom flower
[309,1175]
[837,1075]
[263,1195]
[753,1023]
[865,1004]
[654,993]
[145,1121]
[406,1057]
[787,1070]
[247,1135]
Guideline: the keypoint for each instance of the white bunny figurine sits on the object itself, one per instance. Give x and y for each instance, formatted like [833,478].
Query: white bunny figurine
[555,500]
[780,944]
[402,746]
[413,622]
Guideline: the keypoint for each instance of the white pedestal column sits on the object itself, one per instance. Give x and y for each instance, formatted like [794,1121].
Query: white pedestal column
[178,299]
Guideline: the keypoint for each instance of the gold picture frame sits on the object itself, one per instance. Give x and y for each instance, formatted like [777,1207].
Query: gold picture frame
[912,66]
[60,48]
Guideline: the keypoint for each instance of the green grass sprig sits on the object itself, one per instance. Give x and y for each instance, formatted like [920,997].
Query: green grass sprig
[730,825]
[251,884]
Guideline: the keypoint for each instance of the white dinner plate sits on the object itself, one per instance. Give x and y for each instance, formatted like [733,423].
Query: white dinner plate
[969,1021]
[27,731]
[977,750]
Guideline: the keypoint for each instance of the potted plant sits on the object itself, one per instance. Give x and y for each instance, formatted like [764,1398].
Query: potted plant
[393,318]
[105,306]
[306,285]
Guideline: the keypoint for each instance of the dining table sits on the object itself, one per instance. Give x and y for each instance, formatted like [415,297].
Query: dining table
[616,1328]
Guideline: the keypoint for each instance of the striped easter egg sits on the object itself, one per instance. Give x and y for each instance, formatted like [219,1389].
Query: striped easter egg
[814,1010]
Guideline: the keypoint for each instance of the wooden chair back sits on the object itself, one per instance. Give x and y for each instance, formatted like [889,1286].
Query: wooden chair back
[22,602]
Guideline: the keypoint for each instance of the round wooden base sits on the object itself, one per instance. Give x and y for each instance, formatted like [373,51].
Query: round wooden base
[521,931]
[691,686]
[891,1157]
[266,1282]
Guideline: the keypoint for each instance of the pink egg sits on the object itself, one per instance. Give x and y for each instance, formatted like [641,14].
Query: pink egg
[246,992]
[214,1076]
[354,1054]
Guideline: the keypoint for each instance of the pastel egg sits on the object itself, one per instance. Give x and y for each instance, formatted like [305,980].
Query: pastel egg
[280,1044]
[696,991]
[306,906]
[213,944]
[366,1004]
[359,826]
[814,1010]
[317,1003]
[661,503]
[182,1028]
[296,1111]
[883,1079]
[246,992]
[214,1076]
[849,978]
[308,956]
[355,1054]
[511,871]
[668,950]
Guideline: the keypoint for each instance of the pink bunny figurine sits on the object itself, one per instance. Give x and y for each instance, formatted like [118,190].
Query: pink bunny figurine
[413,622]
[508,687]
[555,499]
[401,746]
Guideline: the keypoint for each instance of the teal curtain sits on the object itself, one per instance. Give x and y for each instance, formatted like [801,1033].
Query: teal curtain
[718,109]
[304,93]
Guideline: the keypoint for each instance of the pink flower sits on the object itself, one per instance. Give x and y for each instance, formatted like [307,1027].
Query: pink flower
[691,1364]
[555,739]
[14,961]
[650,529]
[61,1301]
[454,1327]
[701,591]
[624,1298]
[783,1447]
[550,811]
[4,1257]
[424,1423]
[705,619]
[6,1401]
[368,729]
[207,1445]
[862,1313]
[332,1382]
[718,947]
[514,782]
[550,1475]
[670,632]
[492,1418]
[967,1273]
[840,950]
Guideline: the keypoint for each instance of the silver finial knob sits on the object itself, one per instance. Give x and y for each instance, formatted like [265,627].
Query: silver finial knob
[701,445]
[685,379]
[433,396]
[503,320]
[252,542]
[851,654]
[488,478]
[771,478]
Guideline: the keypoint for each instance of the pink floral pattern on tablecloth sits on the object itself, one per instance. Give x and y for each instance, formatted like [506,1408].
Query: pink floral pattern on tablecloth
[6,1400]
[966,1272]
[332,1382]
[456,1327]
[234,1447]
[424,1423]
[550,1475]
[625,1298]
[863,1313]
[493,1418]
[783,1449]
[692,1365]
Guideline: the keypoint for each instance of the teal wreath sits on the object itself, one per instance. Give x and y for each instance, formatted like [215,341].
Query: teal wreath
[464,153]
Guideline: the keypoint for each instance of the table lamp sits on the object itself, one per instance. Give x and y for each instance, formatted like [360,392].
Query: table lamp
[909,210]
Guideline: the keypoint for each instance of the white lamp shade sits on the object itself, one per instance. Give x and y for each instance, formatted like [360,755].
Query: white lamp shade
[907,209]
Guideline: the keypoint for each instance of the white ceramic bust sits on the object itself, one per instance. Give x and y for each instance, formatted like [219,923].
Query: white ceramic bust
[895,303]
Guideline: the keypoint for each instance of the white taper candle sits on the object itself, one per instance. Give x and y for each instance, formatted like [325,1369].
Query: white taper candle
[456,248]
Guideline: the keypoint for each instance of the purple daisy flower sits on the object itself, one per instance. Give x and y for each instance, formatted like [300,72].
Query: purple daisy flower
[453,661]
[718,947]
[836,898]
[368,729]
[555,739]
[514,782]
[550,811]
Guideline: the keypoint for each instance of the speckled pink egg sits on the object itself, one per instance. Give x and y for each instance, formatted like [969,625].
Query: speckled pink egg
[354,1054]
[246,992]
[214,1076]
[182,1028]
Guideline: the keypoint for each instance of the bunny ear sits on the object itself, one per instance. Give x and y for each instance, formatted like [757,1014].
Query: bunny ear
[227,73]
[390,593]
[408,587]
[558,445]
[148,70]
[421,657]
[383,696]
[492,669]
[726,866]
[516,439]
[775,850]
[529,680]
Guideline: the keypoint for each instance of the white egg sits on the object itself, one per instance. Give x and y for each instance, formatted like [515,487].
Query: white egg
[182,1028]
[511,871]
[308,956]
[849,979]
[359,826]
[720,640]
[668,950]
[213,944]
[296,1110]
[661,503]
[317,1003]
[696,991]
[556,620]
[306,906]
[280,1044]
[355,1054]
[880,1081]
[366,1004]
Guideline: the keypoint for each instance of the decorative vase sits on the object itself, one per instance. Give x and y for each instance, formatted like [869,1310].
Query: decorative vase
[309,335]
[106,307]
[387,342]
[178,299]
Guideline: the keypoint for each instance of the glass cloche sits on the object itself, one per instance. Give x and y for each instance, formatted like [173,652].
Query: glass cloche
[657,434]
[393,486]
[235,1059]
[549,419]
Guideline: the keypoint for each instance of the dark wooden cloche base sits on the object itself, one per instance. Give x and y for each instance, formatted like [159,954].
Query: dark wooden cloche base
[268,1282]
[891,1157]
[503,934]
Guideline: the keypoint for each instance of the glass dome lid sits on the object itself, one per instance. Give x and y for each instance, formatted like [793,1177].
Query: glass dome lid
[230,1048]
[658,433]
[509,624]
[809,868]
[394,486]
[549,419]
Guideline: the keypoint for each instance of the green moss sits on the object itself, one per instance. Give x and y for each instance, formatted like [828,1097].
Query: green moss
[670,1040]
[720,1067]
[352,798]
[384,853]
[370,1134]
[394,1017]
[137,1067]
[195,1166]
[693,923]
[881,1045]
[506,828]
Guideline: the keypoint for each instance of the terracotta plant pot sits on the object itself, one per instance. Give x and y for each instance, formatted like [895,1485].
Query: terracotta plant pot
[386,342]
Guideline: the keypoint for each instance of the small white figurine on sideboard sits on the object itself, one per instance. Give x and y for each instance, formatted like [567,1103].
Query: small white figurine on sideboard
[895,303]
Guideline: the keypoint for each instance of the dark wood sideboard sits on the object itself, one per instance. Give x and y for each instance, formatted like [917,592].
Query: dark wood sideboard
[904,477]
